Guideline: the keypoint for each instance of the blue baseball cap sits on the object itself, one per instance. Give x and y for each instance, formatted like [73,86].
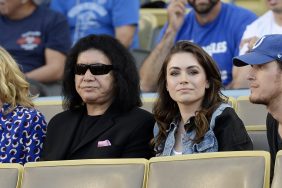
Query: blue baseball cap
[268,48]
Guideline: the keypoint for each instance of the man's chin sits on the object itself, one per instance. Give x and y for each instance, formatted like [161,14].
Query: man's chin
[204,9]
[256,100]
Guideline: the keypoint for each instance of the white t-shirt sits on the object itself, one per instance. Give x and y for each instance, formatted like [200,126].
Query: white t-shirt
[264,25]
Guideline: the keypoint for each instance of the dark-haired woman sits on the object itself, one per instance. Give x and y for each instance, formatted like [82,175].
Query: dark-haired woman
[191,113]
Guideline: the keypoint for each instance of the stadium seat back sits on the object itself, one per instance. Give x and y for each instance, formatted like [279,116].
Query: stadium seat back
[248,169]
[97,173]
[10,175]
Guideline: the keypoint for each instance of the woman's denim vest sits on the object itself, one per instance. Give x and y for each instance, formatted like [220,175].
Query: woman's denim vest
[208,144]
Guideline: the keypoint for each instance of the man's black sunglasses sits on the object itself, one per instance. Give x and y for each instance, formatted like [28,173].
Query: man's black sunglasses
[95,69]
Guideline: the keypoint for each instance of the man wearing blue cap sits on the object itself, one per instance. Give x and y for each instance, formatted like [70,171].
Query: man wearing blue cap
[265,79]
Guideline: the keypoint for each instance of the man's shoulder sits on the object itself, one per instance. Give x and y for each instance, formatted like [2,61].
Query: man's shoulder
[68,114]
[237,13]
[270,121]
[237,17]
[46,12]
[138,113]
[264,19]
[238,9]
[49,19]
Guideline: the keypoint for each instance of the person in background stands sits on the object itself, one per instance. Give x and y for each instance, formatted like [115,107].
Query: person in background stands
[102,99]
[118,18]
[192,114]
[22,127]
[265,80]
[215,26]
[38,39]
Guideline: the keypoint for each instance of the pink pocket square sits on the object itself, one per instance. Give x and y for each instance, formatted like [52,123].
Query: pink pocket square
[104,143]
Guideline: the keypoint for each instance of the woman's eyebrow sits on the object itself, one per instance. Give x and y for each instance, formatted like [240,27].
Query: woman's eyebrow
[189,67]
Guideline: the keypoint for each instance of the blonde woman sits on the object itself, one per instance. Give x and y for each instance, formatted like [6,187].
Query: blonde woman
[22,128]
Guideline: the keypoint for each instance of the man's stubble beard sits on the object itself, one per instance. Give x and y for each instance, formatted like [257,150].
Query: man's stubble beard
[206,9]
[258,101]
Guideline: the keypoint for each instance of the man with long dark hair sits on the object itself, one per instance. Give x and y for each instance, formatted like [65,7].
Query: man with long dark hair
[102,99]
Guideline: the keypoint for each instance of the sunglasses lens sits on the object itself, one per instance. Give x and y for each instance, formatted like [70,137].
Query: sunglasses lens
[80,69]
[95,69]
[100,69]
